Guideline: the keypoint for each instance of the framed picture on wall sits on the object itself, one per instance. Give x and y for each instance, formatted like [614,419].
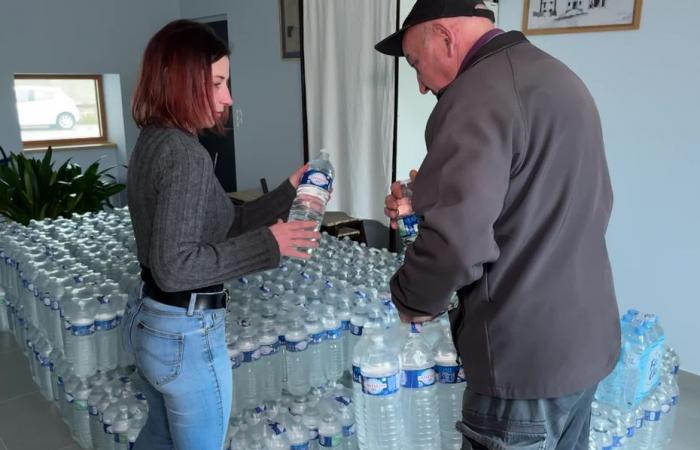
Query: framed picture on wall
[290,28]
[577,16]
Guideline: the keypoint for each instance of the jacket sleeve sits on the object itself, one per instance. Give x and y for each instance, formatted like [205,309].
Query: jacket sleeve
[179,259]
[460,191]
[263,211]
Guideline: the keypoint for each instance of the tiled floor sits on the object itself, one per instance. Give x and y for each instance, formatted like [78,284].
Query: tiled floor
[28,422]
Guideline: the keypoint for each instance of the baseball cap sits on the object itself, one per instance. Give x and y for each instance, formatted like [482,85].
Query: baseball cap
[426,10]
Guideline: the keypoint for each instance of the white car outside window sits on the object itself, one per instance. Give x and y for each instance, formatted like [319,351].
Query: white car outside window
[45,106]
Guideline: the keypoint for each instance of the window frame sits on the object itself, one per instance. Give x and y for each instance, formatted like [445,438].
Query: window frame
[72,142]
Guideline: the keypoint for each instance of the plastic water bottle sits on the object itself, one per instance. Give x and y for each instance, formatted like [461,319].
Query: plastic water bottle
[270,364]
[600,435]
[372,324]
[419,393]
[313,192]
[248,394]
[317,336]
[345,411]
[666,408]
[330,434]
[120,428]
[297,435]
[297,358]
[275,436]
[81,347]
[106,335]
[331,348]
[670,386]
[407,220]
[383,416]
[81,416]
[618,428]
[648,437]
[451,385]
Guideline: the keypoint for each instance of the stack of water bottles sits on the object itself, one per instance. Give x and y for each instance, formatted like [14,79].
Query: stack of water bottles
[636,404]
[64,285]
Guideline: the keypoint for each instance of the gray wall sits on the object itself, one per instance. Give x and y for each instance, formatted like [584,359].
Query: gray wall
[79,36]
[266,89]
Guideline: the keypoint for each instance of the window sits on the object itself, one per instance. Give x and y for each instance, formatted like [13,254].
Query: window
[60,110]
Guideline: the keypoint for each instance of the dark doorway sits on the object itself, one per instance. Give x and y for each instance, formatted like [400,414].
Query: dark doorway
[222,147]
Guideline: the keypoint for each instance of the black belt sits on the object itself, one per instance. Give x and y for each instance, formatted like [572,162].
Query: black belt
[209,297]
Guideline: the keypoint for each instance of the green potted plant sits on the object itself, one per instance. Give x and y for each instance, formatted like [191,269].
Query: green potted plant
[31,188]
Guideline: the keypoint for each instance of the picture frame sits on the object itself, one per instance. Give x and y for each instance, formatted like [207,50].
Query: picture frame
[580,16]
[290,28]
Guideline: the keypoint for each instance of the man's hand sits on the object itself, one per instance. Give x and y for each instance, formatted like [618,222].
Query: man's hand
[395,204]
[295,178]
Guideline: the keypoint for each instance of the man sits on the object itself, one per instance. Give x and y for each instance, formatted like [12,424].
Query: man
[515,198]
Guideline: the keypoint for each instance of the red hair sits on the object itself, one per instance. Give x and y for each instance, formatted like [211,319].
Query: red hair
[175,86]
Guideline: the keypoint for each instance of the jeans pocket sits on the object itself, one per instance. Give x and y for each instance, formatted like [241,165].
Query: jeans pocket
[498,436]
[158,354]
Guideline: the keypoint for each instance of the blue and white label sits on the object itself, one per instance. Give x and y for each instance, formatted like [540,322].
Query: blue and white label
[105,325]
[652,416]
[450,374]
[380,386]
[317,338]
[300,447]
[343,399]
[277,428]
[330,441]
[251,356]
[417,379]
[82,330]
[334,335]
[408,226]
[267,350]
[356,375]
[298,346]
[348,431]
[356,329]
[92,410]
[674,400]
[345,325]
[317,178]
[46,299]
[630,432]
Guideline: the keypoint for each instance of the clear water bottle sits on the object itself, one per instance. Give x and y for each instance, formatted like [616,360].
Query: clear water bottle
[345,411]
[317,336]
[407,220]
[248,395]
[666,408]
[331,348]
[120,428]
[419,393]
[670,386]
[330,433]
[383,417]
[271,365]
[311,418]
[106,336]
[372,324]
[81,416]
[618,428]
[81,347]
[297,434]
[275,436]
[451,385]
[297,358]
[648,438]
[600,436]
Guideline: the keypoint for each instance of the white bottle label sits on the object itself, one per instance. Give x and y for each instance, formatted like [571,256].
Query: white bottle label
[380,386]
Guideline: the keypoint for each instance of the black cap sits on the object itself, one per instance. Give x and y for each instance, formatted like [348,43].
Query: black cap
[426,10]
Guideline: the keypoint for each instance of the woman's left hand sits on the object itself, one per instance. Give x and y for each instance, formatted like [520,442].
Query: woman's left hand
[295,178]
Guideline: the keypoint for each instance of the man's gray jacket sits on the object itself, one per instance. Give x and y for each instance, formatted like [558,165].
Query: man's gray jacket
[516,199]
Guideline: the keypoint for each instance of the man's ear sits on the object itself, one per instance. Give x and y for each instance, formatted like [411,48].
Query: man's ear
[446,38]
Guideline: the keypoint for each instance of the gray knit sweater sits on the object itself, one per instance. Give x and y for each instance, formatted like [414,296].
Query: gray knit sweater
[187,230]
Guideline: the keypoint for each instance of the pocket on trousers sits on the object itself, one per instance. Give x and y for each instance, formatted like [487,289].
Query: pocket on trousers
[494,437]
[158,353]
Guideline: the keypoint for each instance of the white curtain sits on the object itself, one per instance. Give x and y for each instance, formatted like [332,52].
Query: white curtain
[350,98]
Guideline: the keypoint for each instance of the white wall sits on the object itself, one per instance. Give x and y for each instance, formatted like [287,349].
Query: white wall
[646,86]
[79,36]
[266,89]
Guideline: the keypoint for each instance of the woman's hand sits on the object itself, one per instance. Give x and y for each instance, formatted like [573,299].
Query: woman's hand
[291,236]
[295,178]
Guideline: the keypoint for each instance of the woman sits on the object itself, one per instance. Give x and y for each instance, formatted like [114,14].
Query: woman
[190,239]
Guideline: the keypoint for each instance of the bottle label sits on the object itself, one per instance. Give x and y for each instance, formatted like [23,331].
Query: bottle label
[105,325]
[356,330]
[334,335]
[277,428]
[300,447]
[652,416]
[54,305]
[80,405]
[317,338]
[408,226]
[348,430]
[674,400]
[356,375]
[380,386]
[315,179]
[344,400]
[267,350]
[46,300]
[630,432]
[92,410]
[345,325]
[675,369]
[450,374]
[650,368]
[298,346]
[235,362]
[82,330]
[639,422]
[251,356]
[330,441]
[416,379]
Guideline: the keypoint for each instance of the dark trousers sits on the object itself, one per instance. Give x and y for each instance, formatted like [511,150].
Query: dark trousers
[490,423]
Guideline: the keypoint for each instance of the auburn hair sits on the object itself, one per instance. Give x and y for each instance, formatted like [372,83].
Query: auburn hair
[175,88]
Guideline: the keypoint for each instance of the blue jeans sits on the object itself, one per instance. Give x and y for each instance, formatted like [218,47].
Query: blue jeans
[186,373]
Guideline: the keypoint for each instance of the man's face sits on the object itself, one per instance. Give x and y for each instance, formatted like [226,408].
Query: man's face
[426,55]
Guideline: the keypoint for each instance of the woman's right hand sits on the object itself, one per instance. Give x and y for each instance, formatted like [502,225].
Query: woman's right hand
[291,236]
